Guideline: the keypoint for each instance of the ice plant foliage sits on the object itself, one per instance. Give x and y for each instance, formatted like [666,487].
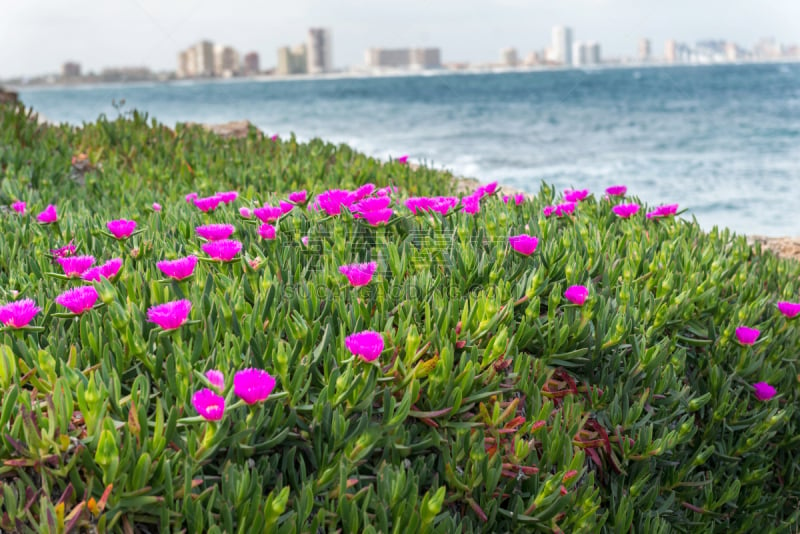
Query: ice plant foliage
[625,211]
[215,232]
[78,300]
[19,207]
[209,405]
[108,270]
[524,244]
[49,215]
[747,335]
[121,228]
[577,294]
[267,231]
[789,309]
[75,266]
[359,274]
[763,391]
[19,313]
[616,191]
[367,345]
[178,269]
[253,385]
[224,250]
[170,315]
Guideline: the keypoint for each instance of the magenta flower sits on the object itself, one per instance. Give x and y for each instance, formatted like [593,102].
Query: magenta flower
[616,190]
[576,294]
[253,385]
[524,243]
[359,274]
[471,203]
[19,207]
[224,250]
[285,207]
[387,191]
[487,189]
[575,195]
[227,197]
[79,299]
[48,216]
[367,345]
[363,191]
[746,335]
[121,228]
[215,232]
[108,270]
[625,210]
[156,206]
[274,138]
[560,210]
[170,315]
[548,210]
[420,205]
[789,309]
[377,217]
[66,250]
[764,391]
[402,160]
[245,212]
[663,211]
[372,204]
[267,231]
[298,197]
[207,204]
[332,200]
[304,240]
[178,269]
[75,266]
[18,314]
[208,404]
[516,199]
[268,214]
[191,196]
[217,379]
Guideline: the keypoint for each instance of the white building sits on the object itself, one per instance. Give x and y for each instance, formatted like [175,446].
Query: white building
[403,58]
[585,53]
[509,57]
[320,57]
[226,61]
[562,45]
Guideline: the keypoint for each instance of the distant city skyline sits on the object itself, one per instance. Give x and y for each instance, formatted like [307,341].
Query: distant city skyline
[38,37]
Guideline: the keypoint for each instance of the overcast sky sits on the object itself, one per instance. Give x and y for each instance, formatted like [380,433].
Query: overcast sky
[36,36]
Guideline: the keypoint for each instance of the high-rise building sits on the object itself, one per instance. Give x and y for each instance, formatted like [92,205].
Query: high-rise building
[562,45]
[732,51]
[226,61]
[671,51]
[585,53]
[644,50]
[71,69]
[292,60]
[251,63]
[204,51]
[508,57]
[185,64]
[426,58]
[319,55]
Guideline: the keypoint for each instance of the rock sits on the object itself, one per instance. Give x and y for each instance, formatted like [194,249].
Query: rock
[235,129]
[7,97]
[783,247]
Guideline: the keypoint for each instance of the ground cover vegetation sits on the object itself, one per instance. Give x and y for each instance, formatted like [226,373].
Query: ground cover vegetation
[315,341]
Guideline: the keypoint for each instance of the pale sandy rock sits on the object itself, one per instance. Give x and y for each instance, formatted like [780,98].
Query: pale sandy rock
[784,247]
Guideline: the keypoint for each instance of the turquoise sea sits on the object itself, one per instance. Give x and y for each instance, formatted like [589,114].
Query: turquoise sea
[722,141]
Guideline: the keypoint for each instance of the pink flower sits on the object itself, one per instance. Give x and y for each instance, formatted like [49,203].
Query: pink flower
[79,299]
[207,204]
[268,214]
[517,199]
[121,228]
[616,190]
[625,210]
[402,160]
[156,206]
[367,345]
[377,217]
[285,207]
[191,196]
[548,210]
[298,197]
[764,391]
[245,212]
[663,211]
[217,379]
[524,243]
[387,191]
[267,231]
[48,216]
[575,195]
[746,335]
[19,207]
[420,205]
[274,138]
[576,294]
[227,197]
[789,309]
[75,266]
[66,250]
[215,232]
[18,314]
[560,210]
[178,269]
[471,203]
[170,315]
[363,191]
[359,274]
[372,204]
[108,270]
[253,385]
[208,404]
[304,240]
[487,189]
[332,200]
[224,250]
